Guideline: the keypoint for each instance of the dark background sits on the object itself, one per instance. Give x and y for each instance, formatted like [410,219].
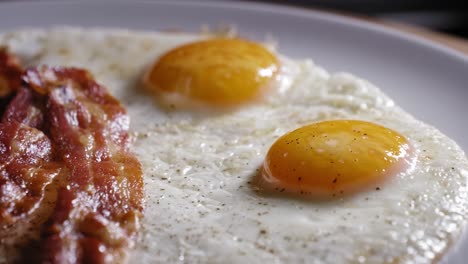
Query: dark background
[447,16]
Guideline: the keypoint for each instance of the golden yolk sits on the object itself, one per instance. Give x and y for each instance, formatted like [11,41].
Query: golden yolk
[335,157]
[215,72]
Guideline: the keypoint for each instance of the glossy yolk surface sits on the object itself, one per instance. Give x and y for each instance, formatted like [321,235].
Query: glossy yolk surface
[215,72]
[335,157]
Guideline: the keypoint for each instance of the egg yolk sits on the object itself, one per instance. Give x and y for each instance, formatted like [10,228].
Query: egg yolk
[336,157]
[215,72]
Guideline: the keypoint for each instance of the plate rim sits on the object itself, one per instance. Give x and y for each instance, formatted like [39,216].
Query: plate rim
[304,12]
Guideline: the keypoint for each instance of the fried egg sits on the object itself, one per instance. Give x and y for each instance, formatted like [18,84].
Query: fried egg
[218,72]
[212,190]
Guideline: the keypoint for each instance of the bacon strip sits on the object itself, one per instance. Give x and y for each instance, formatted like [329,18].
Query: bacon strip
[97,214]
[26,160]
[62,124]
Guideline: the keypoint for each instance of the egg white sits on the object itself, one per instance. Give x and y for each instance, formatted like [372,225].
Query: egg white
[201,203]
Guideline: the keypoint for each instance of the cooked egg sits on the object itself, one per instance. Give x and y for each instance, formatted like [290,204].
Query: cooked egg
[203,201]
[218,72]
[336,157]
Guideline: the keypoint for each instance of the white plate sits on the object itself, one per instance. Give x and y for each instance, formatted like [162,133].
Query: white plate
[428,80]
